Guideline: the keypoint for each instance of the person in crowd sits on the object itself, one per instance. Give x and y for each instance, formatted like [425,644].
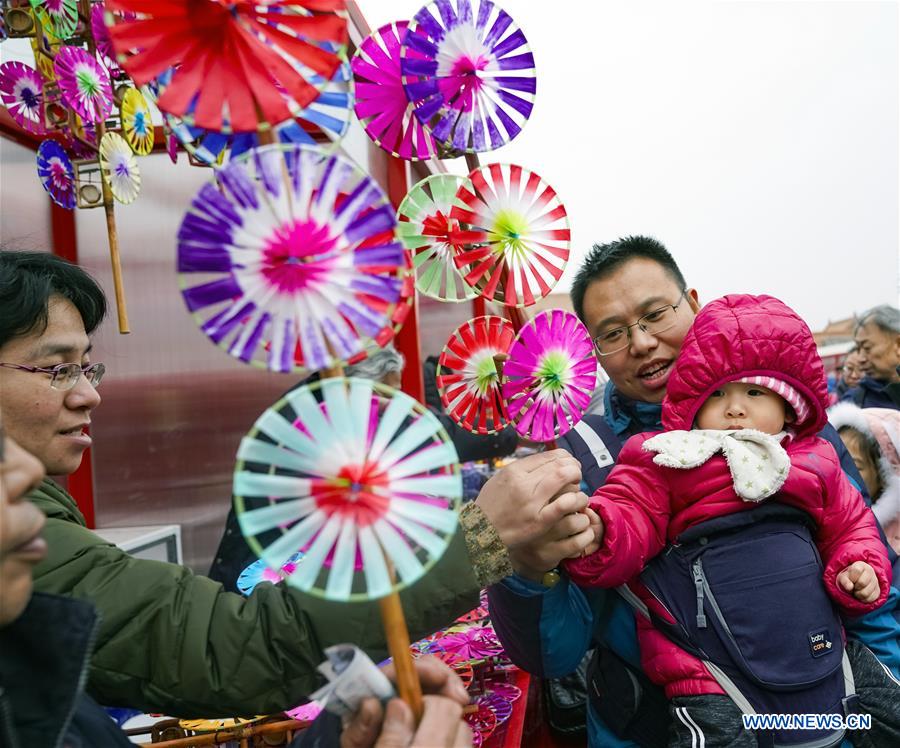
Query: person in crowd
[850,374]
[877,337]
[872,437]
[743,404]
[43,669]
[545,621]
[174,642]
[42,664]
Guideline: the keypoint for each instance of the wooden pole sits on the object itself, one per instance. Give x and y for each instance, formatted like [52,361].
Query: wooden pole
[398,644]
[112,232]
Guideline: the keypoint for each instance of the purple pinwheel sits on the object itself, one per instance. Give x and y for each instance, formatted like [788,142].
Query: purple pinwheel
[22,93]
[297,260]
[497,704]
[56,173]
[381,103]
[469,74]
[469,643]
[550,375]
[84,84]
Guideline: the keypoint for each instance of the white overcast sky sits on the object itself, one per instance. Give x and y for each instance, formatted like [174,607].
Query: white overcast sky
[757,139]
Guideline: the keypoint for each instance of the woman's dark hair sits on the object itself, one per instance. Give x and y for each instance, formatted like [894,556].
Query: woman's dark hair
[29,279]
[604,259]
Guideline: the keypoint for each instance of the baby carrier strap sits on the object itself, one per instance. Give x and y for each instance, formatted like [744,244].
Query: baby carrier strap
[595,445]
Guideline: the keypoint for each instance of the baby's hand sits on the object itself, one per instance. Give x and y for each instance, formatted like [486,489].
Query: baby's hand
[597,526]
[859,580]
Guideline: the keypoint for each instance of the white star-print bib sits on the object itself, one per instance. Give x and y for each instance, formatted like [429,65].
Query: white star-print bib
[758,463]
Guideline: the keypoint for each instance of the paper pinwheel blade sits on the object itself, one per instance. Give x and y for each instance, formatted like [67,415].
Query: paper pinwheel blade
[550,375]
[517,244]
[137,124]
[239,64]
[382,106]
[429,233]
[84,84]
[363,478]
[324,121]
[469,73]
[58,16]
[22,93]
[467,375]
[291,262]
[56,173]
[120,168]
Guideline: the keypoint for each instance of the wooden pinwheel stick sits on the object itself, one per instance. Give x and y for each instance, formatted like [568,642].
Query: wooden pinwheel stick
[112,232]
[398,645]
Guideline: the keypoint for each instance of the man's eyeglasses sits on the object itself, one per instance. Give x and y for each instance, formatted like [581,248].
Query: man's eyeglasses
[65,376]
[652,323]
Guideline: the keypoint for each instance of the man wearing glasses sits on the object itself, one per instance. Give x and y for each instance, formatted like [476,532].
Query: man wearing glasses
[633,299]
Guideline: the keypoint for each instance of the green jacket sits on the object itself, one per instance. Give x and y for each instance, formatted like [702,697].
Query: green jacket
[174,642]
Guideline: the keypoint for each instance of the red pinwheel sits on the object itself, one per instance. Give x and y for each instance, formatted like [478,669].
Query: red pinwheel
[467,376]
[518,244]
[550,375]
[237,62]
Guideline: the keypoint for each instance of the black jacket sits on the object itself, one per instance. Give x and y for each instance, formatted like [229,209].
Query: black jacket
[44,656]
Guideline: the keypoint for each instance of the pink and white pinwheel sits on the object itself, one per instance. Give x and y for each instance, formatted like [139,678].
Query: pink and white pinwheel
[550,375]
[518,243]
[467,376]
[22,93]
[469,73]
[56,173]
[428,231]
[364,479]
[291,261]
[381,103]
[84,84]
[305,712]
[239,63]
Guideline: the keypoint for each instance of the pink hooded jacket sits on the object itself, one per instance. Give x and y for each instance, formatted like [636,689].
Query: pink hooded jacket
[645,506]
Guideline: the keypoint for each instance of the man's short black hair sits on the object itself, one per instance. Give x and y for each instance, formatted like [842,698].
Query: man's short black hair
[604,259]
[29,279]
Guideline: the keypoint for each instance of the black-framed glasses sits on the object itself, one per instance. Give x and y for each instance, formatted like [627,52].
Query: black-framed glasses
[652,323]
[65,376]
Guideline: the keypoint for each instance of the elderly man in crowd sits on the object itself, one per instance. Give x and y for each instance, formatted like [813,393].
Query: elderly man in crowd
[877,337]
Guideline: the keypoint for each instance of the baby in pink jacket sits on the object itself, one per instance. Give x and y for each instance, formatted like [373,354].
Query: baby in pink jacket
[743,407]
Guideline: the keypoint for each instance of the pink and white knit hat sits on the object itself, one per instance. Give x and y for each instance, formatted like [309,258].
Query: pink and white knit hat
[793,398]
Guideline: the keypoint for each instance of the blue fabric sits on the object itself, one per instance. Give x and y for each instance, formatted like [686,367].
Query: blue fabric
[628,417]
[871,393]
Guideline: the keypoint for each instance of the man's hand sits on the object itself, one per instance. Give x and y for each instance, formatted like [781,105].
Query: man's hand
[519,500]
[441,725]
[859,579]
[567,538]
